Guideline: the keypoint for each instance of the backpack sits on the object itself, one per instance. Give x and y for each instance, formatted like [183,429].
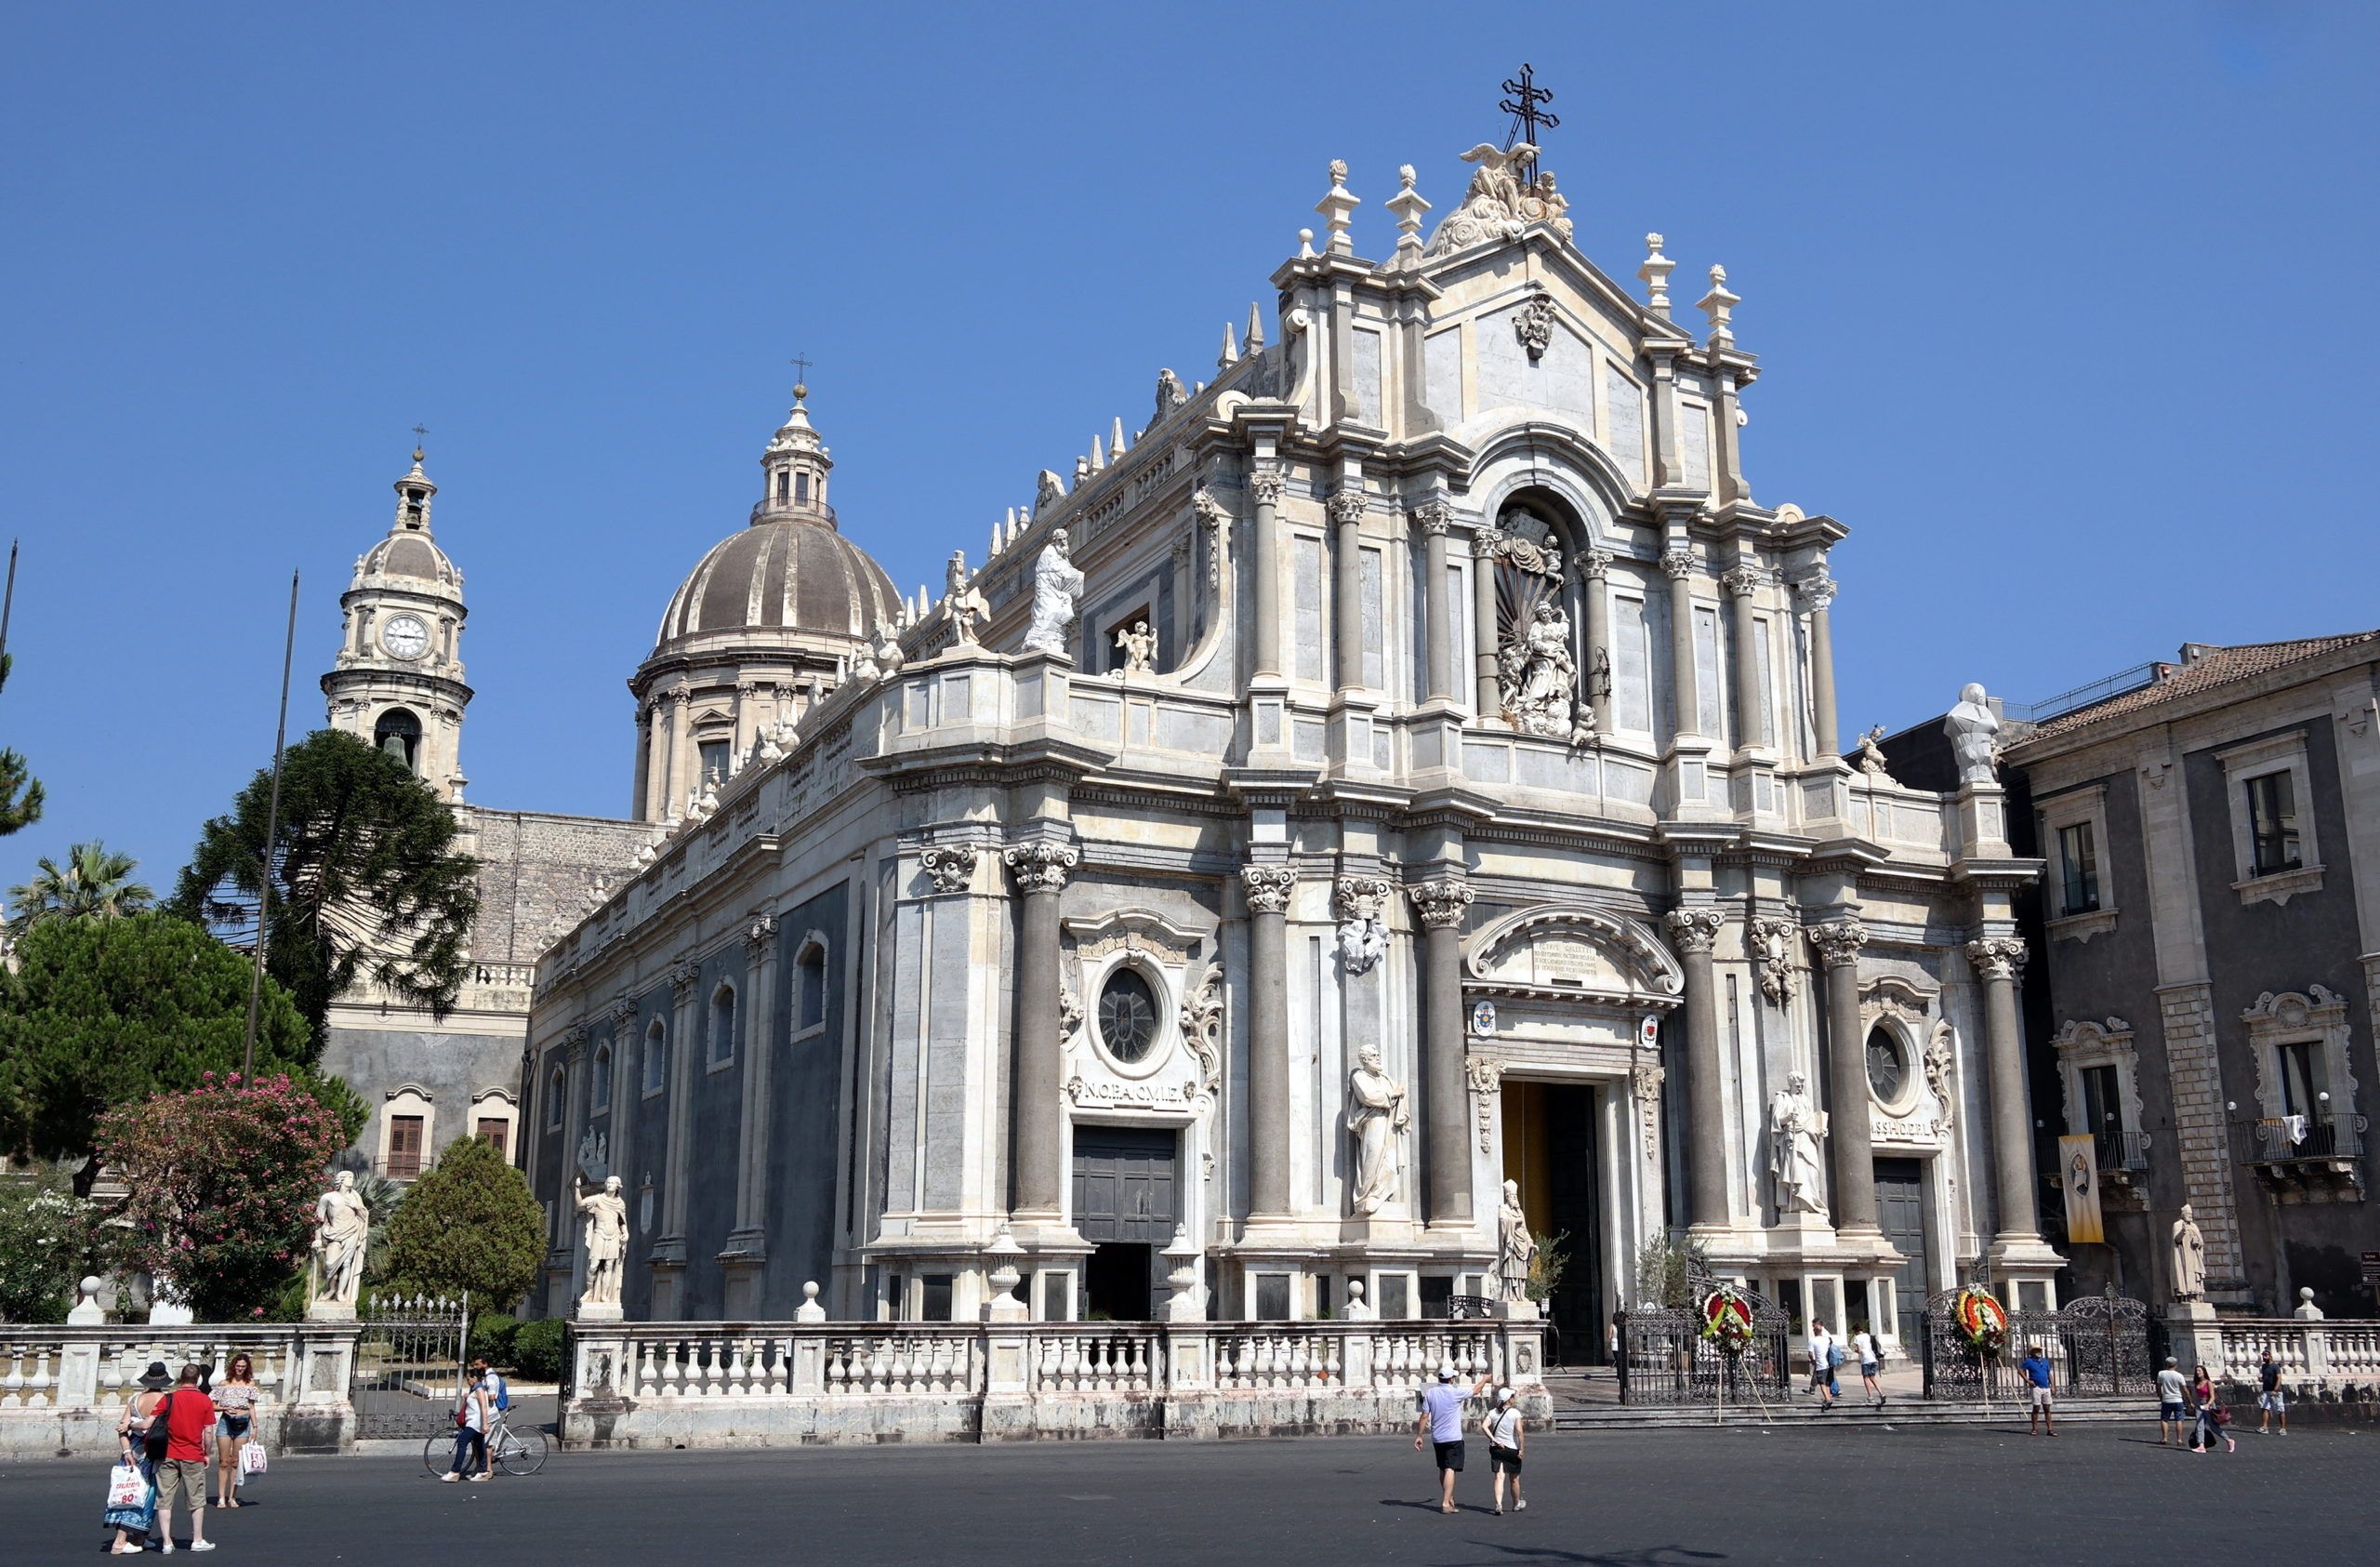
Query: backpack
[153,1441]
[503,1393]
[1834,1356]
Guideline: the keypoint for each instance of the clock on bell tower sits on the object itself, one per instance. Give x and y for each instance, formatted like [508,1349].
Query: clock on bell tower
[398,680]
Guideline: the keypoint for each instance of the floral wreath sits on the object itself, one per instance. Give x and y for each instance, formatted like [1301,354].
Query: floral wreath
[1726,1321]
[1983,1321]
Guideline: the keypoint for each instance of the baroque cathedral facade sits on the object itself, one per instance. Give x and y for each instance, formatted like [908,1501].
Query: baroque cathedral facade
[1394,798]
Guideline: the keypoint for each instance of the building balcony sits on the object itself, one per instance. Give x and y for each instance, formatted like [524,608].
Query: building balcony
[403,1166]
[2304,1158]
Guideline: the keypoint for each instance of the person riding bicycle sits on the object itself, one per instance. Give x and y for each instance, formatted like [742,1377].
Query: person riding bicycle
[499,1392]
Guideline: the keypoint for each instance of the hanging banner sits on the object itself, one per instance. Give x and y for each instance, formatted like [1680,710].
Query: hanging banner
[2079,1165]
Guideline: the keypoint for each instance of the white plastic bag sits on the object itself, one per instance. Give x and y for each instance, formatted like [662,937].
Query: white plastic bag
[127,1487]
[252,1460]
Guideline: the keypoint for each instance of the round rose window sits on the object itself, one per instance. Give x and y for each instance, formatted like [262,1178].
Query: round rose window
[1887,1072]
[1127,1015]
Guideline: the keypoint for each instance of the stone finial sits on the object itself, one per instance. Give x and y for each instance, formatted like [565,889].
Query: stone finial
[1656,273]
[1407,207]
[1230,354]
[1306,245]
[1255,336]
[1719,305]
[87,1309]
[1098,454]
[809,1310]
[1116,440]
[1337,206]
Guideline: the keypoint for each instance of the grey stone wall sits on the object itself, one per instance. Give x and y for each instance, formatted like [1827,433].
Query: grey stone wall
[534,872]
[451,1068]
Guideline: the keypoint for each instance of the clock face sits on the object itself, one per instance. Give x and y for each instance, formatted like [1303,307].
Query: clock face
[406,637]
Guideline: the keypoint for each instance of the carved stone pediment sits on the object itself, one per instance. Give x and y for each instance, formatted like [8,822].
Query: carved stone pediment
[1133,930]
[1890,996]
[1549,952]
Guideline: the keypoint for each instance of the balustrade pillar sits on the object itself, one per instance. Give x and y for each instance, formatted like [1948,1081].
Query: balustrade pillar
[1264,485]
[1445,1148]
[1268,889]
[1437,607]
[1996,961]
[1036,1144]
[1850,1140]
[1693,931]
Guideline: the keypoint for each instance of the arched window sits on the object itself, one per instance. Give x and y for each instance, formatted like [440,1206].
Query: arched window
[656,1057]
[723,1024]
[810,989]
[399,733]
[1888,1073]
[1128,1015]
[554,1094]
[599,1080]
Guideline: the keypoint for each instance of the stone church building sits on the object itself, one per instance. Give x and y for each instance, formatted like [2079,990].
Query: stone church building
[1404,770]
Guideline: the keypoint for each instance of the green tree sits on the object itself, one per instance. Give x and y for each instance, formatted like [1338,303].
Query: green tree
[48,1239]
[104,1013]
[220,1185]
[1666,1271]
[93,885]
[20,792]
[367,883]
[470,1223]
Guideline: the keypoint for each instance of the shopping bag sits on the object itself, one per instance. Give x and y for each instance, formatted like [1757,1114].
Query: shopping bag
[252,1461]
[128,1487]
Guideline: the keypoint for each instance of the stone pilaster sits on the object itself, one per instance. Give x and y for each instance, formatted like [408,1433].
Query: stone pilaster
[1264,486]
[1685,696]
[1692,932]
[1036,1144]
[1850,1142]
[1486,637]
[1440,905]
[1996,960]
[748,1246]
[2202,1134]
[1818,592]
[668,1259]
[1268,889]
[1433,516]
[1347,624]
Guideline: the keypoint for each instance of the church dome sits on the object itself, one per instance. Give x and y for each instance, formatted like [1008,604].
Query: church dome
[788,573]
[409,554]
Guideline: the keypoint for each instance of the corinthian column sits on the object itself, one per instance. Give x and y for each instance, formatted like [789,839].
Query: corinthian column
[1818,592]
[1347,522]
[1996,960]
[1693,931]
[1849,1140]
[1036,1149]
[760,1011]
[1440,905]
[1594,675]
[1485,636]
[1267,888]
[668,1257]
[1685,691]
[1741,583]
[1436,611]
[1264,486]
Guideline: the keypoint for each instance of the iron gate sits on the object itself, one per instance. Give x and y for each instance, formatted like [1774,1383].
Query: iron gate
[1665,1360]
[2097,1345]
[409,1367]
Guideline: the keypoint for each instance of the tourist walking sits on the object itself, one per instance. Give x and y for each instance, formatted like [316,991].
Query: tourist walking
[1440,1425]
[1507,1442]
[499,1392]
[470,1432]
[132,1524]
[186,1414]
[2211,1416]
[235,1406]
[1872,1366]
[2038,1420]
[2172,1393]
[1825,1356]
[2271,1398]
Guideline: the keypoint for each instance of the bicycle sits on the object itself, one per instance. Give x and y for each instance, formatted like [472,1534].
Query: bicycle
[516,1453]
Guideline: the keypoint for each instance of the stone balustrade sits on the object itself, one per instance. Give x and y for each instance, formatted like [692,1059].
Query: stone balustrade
[64,1389]
[679,1384]
[2311,1354]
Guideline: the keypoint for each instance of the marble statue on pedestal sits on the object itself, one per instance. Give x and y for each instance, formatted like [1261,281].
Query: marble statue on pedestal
[2189,1257]
[1537,674]
[1972,728]
[607,1240]
[342,1225]
[1517,1248]
[1139,646]
[1057,593]
[1375,1114]
[963,602]
[1794,1127]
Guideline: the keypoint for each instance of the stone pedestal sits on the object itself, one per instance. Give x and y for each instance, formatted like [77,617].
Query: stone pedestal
[601,1375]
[743,1271]
[329,1311]
[1516,1310]
[2195,1335]
[318,1417]
[586,1313]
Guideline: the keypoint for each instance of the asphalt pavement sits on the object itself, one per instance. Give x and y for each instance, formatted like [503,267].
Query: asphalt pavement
[1801,1493]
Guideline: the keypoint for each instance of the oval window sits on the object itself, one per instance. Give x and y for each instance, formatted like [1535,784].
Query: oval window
[1887,1073]
[1127,1015]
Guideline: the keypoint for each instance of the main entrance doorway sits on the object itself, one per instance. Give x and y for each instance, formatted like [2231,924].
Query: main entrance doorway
[1553,1148]
[1124,1205]
[1900,1213]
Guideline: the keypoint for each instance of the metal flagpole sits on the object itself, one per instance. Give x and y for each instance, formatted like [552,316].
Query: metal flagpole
[271,832]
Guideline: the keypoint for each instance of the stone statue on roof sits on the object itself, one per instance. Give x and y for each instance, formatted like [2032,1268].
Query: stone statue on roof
[1500,204]
[1057,593]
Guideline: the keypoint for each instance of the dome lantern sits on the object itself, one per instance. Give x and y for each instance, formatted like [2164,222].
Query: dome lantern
[794,468]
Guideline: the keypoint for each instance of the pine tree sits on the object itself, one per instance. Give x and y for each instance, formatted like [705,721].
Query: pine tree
[20,792]
[471,1223]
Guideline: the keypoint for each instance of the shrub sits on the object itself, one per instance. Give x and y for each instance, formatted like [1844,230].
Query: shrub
[492,1336]
[469,1223]
[536,1349]
[42,1228]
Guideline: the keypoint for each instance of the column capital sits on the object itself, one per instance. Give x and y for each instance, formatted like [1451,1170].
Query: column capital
[760,936]
[1210,509]
[1040,866]
[1677,563]
[682,982]
[1441,903]
[1996,957]
[1346,507]
[952,865]
[1744,580]
[680,695]
[1594,563]
[1434,515]
[574,1042]
[1267,887]
[1693,930]
[1817,591]
[1265,486]
[1839,941]
[621,1013]
[1360,897]
[1486,539]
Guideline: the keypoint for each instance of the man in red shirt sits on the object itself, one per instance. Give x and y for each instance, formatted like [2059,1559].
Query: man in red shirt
[186,1413]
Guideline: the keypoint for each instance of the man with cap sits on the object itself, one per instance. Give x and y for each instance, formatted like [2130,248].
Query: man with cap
[2172,1391]
[1440,1426]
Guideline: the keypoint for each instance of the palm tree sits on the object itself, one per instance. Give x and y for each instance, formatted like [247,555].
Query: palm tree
[95,885]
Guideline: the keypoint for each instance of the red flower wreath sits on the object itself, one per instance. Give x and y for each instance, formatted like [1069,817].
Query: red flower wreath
[1726,1321]
[1983,1321]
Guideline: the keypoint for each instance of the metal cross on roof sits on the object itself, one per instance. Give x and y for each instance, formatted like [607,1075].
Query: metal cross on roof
[1522,104]
[800,364]
[421,436]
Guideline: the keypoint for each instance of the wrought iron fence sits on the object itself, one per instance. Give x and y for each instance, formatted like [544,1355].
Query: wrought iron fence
[1664,1359]
[409,1366]
[2291,1139]
[2097,1345]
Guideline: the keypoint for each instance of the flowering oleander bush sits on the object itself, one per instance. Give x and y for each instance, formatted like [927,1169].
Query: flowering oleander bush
[221,1183]
[44,1235]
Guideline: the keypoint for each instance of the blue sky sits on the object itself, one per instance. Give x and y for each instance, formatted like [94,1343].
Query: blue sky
[2061,308]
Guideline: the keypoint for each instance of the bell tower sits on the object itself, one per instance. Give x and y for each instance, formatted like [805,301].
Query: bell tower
[398,680]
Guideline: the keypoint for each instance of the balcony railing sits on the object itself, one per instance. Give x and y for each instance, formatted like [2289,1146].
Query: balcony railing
[403,1166]
[2298,1139]
[2123,1150]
